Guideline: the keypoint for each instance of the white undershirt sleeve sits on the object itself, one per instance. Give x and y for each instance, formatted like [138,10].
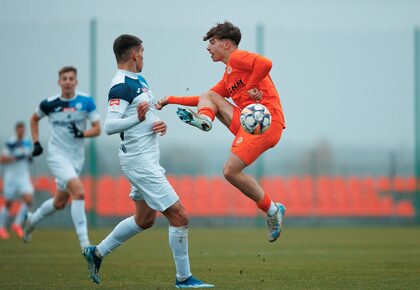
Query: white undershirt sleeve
[114,122]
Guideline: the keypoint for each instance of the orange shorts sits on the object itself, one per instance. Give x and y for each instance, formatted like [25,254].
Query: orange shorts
[249,147]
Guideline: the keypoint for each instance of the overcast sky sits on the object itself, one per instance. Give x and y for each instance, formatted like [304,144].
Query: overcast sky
[344,69]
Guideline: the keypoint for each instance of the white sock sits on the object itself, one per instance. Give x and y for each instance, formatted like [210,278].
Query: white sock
[78,215]
[21,214]
[4,216]
[273,209]
[46,209]
[121,233]
[178,241]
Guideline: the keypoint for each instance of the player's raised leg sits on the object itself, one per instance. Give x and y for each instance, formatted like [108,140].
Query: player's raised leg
[47,208]
[247,184]
[210,105]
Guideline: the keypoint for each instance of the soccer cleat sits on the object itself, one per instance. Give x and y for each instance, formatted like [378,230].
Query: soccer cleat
[27,228]
[275,223]
[4,235]
[188,116]
[192,282]
[93,262]
[17,229]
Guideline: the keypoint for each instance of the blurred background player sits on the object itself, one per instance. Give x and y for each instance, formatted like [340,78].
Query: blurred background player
[16,156]
[67,115]
[246,80]
[132,115]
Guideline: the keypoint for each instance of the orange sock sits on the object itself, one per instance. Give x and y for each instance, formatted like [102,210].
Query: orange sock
[265,203]
[185,101]
[207,111]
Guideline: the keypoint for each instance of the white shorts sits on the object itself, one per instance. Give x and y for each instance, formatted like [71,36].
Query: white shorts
[149,183]
[16,187]
[64,168]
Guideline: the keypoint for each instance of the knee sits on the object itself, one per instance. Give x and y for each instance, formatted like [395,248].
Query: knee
[229,174]
[145,223]
[60,204]
[180,218]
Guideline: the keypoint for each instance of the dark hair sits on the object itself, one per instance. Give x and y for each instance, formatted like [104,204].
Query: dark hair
[19,124]
[224,30]
[67,69]
[123,45]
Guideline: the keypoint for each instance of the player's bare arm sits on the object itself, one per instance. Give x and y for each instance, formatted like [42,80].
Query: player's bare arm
[94,131]
[35,135]
[7,159]
[35,128]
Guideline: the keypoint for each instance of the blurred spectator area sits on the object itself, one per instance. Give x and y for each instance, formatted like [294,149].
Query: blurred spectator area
[304,196]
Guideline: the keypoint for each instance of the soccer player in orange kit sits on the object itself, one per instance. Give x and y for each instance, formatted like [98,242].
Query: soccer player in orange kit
[246,80]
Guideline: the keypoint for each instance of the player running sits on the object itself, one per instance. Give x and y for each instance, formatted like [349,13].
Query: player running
[16,156]
[246,80]
[67,115]
[131,114]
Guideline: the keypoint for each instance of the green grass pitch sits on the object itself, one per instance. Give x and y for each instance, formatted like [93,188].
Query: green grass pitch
[303,258]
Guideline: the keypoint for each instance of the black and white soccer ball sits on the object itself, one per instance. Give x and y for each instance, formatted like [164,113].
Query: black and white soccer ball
[255,119]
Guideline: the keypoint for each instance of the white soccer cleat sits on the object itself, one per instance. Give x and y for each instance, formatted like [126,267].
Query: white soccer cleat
[275,223]
[27,228]
[192,118]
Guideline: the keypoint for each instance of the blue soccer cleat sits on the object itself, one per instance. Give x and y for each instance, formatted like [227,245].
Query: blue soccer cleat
[275,223]
[192,282]
[94,263]
[190,117]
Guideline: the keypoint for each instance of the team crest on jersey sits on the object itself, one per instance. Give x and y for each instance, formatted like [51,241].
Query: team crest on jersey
[78,106]
[229,69]
[114,104]
[239,140]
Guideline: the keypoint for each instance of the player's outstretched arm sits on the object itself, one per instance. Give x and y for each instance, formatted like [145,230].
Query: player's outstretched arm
[191,101]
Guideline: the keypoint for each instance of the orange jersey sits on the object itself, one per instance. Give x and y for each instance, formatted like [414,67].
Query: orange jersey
[245,71]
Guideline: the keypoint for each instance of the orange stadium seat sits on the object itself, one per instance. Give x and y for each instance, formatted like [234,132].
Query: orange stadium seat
[303,196]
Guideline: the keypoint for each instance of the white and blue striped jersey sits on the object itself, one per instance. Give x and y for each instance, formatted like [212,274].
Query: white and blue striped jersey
[61,113]
[138,141]
[21,150]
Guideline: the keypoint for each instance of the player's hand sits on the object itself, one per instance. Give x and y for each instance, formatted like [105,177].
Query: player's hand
[255,94]
[161,103]
[75,131]
[142,109]
[37,149]
[159,127]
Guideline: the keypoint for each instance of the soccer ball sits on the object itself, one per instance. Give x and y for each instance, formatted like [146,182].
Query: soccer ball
[255,119]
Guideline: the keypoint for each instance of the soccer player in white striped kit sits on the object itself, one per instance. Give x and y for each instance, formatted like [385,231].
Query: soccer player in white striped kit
[67,114]
[16,156]
[131,113]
